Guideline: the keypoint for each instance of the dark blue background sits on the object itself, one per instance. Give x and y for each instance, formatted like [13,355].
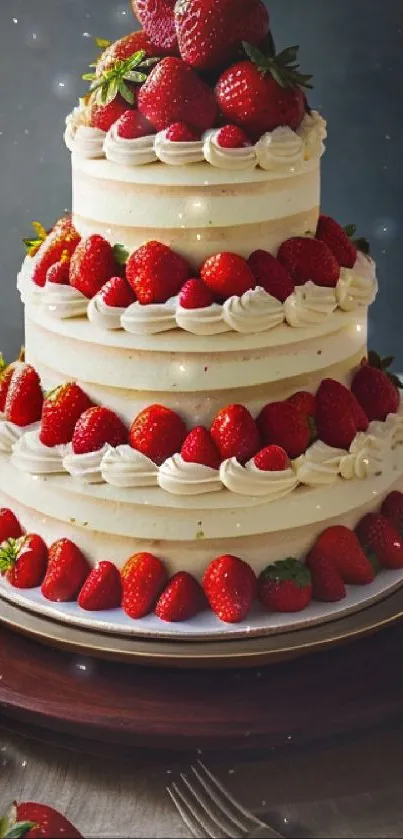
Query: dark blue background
[354,52]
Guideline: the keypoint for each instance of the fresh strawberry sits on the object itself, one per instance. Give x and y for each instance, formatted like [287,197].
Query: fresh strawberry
[335,237]
[309,259]
[271,275]
[156,273]
[66,573]
[61,411]
[102,589]
[158,433]
[6,374]
[229,584]
[198,447]
[380,540]
[338,415]
[195,295]
[60,244]
[392,510]
[94,262]
[264,93]
[304,402]
[376,389]
[226,274]
[285,586]
[158,20]
[179,132]
[281,424]
[125,48]
[143,579]
[31,820]
[117,293]
[24,397]
[59,273]
[174,93]
[104,116]
[24,561]
[340,546]
[327,582]
[10,527]
[272,459]
[235,433]
[210,33]
[182,599]
[232,137]
[132,124]
[97,427]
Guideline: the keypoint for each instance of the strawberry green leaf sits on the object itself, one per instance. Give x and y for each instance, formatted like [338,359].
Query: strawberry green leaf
[125,92]
[374,359]
[102,43]
[282,67]
[3,364]
[350,230]
[386,362]
[121,254]
[19,829]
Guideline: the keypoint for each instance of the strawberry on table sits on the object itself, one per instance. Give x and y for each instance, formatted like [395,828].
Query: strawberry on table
[272,459]
[232,137]
[183,598]
[94,262]
[227,274]
[229,584]
[195,295]
[95,428]
[156,273]
[336,238]
[179,132]
[338,415]
[158,20]
[392,509]
[271,275]
[67,570]
[309,259]
[327,582]
[264,92]
[31,820]
[117,293]
[61,410]
[10,527]
[102,589]
[158,433]
[24,397]
[132,124]
[174,93]
[375,388]
[304,402]
[235,433]
[285,586]
[380,540]
[24,560]
[210,33]
[281,424]
[198,447]
[143,579]
[61,243]
[340,546]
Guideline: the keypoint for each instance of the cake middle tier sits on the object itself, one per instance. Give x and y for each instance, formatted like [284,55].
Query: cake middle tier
[194,376]
[196,209]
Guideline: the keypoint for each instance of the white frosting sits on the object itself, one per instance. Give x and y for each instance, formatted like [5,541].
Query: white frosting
[181,478]
[85,467]
[357,286]
[151,319]
[369,455]
[280,149]
[251,481]
[207,321]
[177,154]
[11,433]
[126,467]
[320,465]
[223,158]
[84,140]
[309,305]
[102,315]
[135,152]
[63,301]
[313,132]
[256,311]
[30,455]
[29,291]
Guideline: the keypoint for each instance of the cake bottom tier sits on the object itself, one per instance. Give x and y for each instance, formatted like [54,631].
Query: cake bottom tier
[187,533]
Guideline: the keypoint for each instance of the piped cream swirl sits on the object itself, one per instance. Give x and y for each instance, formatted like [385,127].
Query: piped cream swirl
[85,141]
[309,305]
[357,286]
[178,477]
[85,467]
[280,149]
[320,465]
[134,152]
[251,481]
[104,316]
[223,158]
[30,455]
[125,467]
[207,321]
[151,319]
[11,433]
[256,311]
[63,301]
[177,154]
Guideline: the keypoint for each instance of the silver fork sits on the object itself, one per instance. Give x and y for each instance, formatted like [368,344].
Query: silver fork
[209,810]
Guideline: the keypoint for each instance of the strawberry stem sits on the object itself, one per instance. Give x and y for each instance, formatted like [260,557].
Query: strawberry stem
[283,67]
[9,552]
[134,69]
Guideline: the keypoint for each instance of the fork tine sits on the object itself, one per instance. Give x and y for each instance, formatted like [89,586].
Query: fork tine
[225,801]
[185,813]
[220,827]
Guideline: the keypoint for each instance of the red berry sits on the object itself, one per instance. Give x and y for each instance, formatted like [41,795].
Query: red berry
[102,589]
[158,433]
[179,132]
[281,424]
[340,546]
[376,390]
[96,428]
[309,259]
[157,19]
[10,527]
[125,48]
[198,447]
[271,275]
[272,459]
[174,93]
[24,560]
[156,273]
[143,579]
[232,137]
[327,582]
[182,598]
[117,293]
[92,265]
[380,540]
[24,397]
[304,402]
[60,244]
[46,822]
[59,272]
[285,586]
[229,584]
[330,232]
[235,433]
[227,274]
[104,116]
[195,295]
[61,411]
[392,510]
[132,124]
[338,415]
[66,572]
